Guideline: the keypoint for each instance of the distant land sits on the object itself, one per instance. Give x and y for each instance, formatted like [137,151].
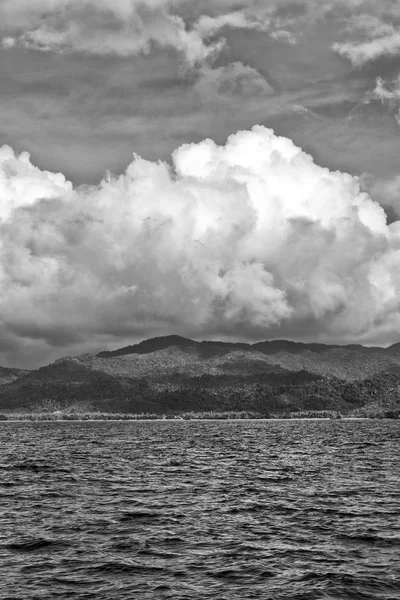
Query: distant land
[173,375]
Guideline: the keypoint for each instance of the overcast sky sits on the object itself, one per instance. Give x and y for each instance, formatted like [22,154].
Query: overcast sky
[213,168]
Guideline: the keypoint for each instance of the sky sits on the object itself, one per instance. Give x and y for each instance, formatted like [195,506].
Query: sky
[211,168]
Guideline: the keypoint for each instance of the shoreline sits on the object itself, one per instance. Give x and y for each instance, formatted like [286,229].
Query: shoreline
[188,420]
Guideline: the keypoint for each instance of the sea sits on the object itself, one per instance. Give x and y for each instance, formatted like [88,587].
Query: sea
[227,510]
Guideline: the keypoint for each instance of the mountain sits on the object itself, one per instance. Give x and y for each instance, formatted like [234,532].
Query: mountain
[266,347]
[385,401]
[10,375]
[393,350]
[207,348]
[344,362]
[175,374]
[271,347]
[152,345]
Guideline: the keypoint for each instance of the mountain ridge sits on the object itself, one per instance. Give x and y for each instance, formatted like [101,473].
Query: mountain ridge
[176,374]
[267,346]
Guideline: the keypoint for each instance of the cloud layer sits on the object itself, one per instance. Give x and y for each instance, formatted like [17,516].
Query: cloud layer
[126,27]
[369,29]
[121,27]
[248,239]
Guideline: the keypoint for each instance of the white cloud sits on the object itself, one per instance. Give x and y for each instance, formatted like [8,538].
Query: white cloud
[371,30]
[209,25]
[8,42]
[384,93]
[254,17]
[388,93]
[364,52]
[122,27]
[234,239]
[384,191]
[368,24]
[127,27]
[22,184]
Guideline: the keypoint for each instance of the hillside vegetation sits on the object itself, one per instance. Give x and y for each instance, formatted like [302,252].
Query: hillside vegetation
[174,375]
[10,375]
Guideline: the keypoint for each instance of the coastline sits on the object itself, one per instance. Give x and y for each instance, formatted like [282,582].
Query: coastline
[83,419]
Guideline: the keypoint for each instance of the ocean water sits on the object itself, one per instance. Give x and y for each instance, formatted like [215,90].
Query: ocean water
[280,510]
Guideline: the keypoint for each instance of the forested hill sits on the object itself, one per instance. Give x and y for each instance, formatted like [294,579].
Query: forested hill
[175,374]
[267,347]
[10,375]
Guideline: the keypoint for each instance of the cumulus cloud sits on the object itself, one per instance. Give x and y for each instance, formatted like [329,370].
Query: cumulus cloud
[22,184]
[384,191]
[240,240]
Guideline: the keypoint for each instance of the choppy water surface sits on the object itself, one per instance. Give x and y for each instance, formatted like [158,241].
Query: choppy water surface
[209,509]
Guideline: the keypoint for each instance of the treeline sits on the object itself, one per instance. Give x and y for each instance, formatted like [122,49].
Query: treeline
[189,416]
[75,416]
[104,416]
[310,414]
[262,394]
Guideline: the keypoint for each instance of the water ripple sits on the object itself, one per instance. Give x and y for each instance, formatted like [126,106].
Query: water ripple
[200,510]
